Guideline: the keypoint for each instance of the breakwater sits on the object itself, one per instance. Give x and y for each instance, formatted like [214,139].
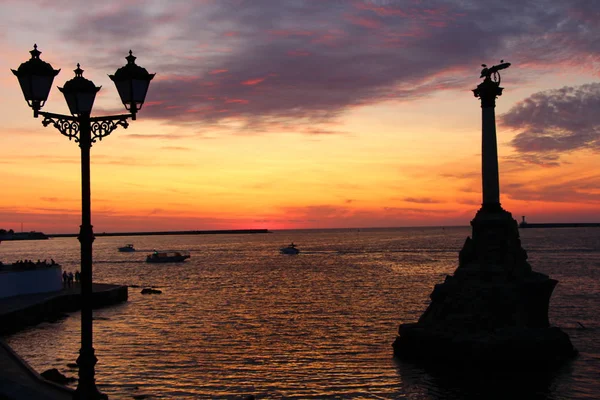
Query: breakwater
[164,233]
[523,225]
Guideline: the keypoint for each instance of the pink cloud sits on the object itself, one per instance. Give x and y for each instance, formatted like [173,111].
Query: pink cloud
[365,22]
[218,71]
[298,53]
[252,82]
[380,10]
[153,103]
[239,101]
[290,32]
[180,78]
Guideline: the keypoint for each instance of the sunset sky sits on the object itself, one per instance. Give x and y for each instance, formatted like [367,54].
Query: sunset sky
[285,114]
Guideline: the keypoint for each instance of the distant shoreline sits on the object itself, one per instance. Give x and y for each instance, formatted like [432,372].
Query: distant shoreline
[163,233]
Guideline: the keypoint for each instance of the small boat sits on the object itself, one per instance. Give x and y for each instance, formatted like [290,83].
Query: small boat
[127,248]
[291,249]
[167,256]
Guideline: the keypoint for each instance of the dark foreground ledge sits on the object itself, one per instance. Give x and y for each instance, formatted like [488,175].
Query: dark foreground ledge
[19,312]
[519,348]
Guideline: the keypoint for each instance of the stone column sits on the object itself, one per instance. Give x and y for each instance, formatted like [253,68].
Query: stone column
[487,91]
[494,309]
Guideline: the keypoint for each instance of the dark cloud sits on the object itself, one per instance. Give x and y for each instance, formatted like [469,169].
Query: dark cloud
[524,159]
[556,121]
[247,64]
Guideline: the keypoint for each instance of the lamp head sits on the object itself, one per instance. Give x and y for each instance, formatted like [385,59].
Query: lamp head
[35,78]
[132,82]
[79,93]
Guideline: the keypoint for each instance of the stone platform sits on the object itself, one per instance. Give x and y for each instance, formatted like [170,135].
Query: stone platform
[492,310]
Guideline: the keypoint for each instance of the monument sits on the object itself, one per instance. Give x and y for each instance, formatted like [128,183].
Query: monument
[494,308]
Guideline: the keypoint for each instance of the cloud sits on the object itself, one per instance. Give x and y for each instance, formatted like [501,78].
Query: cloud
[524,159]
[421,200]
[583,190]
[255,63]
[347,216]
[556,121]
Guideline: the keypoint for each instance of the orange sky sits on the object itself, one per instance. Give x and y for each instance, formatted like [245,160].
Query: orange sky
[363,136]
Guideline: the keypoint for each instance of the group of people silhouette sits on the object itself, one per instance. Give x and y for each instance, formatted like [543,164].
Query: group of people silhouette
[68,278]
[30,264]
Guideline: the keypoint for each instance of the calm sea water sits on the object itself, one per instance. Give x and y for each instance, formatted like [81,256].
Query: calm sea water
[239,318]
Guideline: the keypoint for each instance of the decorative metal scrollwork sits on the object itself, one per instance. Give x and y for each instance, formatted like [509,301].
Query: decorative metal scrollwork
[68,126]
[104,127]
[71,126]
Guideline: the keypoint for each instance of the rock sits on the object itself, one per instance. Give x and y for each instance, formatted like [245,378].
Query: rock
[492,310]
[151,291]
[72,365]
[53,375]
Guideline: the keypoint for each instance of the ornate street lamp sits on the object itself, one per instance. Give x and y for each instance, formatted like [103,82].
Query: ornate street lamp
[132,81]
[35,77]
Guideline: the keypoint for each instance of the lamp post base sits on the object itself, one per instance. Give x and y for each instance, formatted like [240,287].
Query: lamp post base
[86,387]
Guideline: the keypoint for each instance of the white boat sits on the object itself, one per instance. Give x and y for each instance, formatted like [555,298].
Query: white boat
[127,248]
[167,256]
[291,249]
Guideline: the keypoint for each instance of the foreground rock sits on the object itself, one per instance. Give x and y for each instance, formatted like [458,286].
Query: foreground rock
[54,375]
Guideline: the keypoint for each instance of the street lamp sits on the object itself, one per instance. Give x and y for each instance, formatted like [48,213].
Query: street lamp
[35,77]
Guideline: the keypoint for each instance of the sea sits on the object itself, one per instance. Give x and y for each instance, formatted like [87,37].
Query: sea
[238,318]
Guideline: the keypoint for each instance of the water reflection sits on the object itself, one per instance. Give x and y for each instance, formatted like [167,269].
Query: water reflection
[239,318]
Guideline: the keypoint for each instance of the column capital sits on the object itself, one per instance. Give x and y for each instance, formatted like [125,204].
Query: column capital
[487,91]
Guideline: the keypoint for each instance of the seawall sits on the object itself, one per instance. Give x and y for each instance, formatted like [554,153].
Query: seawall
[22,311]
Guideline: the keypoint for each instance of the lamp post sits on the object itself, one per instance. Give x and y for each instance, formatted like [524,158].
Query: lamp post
[35,77]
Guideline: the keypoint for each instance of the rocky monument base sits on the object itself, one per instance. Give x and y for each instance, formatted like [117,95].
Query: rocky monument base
[494,309]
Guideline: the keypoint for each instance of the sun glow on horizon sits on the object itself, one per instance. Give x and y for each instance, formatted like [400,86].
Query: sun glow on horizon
[362,117]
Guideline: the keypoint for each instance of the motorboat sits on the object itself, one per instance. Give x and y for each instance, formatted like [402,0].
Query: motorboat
[127,248]
[167,256]
[290,249]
